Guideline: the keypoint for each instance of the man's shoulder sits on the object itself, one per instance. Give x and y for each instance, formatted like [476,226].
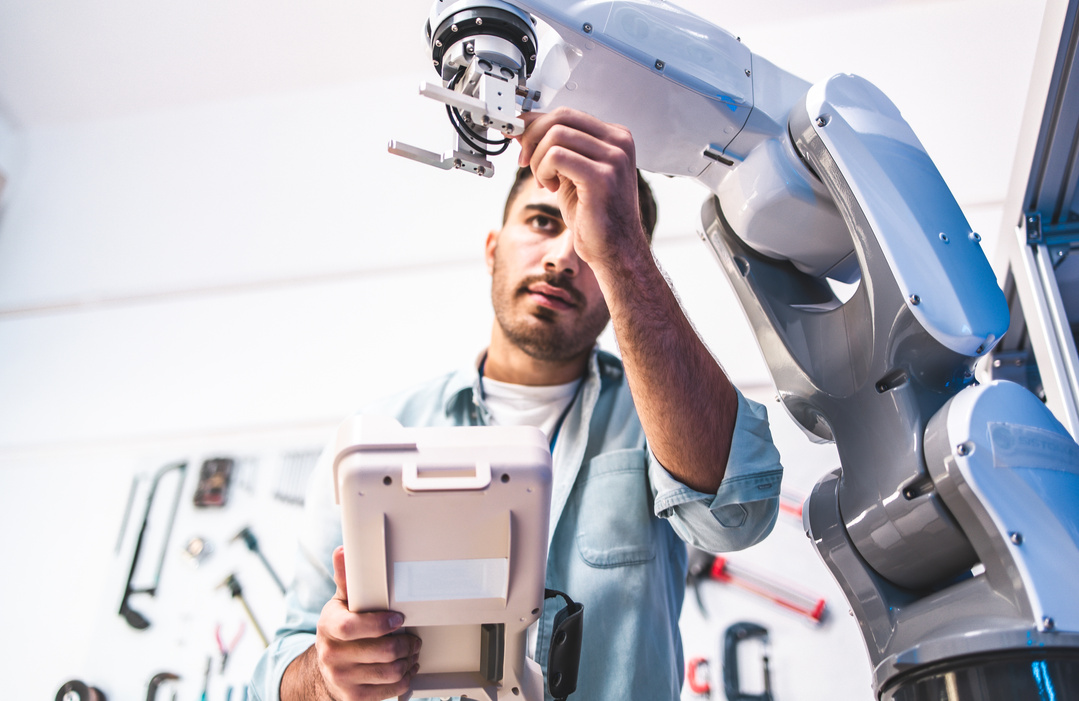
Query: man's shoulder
[425,403]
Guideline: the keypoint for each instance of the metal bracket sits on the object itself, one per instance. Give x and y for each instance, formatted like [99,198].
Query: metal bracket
[1033,221]
[483,112]
[1057,236]
[445,161]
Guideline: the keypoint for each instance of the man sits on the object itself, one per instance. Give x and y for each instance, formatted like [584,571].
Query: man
[648,452]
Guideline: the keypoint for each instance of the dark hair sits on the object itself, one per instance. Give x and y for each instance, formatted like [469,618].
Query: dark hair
[645,200]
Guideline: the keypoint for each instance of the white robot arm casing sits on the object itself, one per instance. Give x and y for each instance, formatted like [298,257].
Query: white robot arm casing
[829,181]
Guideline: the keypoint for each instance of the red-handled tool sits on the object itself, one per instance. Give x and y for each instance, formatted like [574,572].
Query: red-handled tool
[790,504]
[696,684]
[782,594]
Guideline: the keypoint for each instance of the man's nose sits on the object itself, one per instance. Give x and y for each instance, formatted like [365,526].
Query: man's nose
[561,256]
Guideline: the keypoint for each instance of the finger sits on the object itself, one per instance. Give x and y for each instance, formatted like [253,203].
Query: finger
[537,124]
[380,673]
[566,153]
[347,671]
[339,623]
[561,137]
[383,622]
[534,153]
[378,692]
[339,574]
[569,122]
[522,155]
[388,648]
[400,689]
[559,165]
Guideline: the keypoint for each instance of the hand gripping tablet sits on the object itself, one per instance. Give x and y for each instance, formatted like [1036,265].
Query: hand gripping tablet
[449,527]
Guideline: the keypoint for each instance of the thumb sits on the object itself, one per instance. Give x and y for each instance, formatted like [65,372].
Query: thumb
[339,574]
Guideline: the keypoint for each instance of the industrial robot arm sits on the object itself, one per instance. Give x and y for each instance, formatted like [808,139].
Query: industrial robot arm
[945,570]
[715,112]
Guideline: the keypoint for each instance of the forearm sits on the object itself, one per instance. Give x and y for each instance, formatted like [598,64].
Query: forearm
[685,401]
[302,680]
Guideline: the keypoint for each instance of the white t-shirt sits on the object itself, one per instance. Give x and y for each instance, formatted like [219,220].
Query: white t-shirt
[525,405]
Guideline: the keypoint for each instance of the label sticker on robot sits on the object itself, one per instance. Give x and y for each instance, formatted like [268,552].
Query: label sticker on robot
[450,580]
[1027,446]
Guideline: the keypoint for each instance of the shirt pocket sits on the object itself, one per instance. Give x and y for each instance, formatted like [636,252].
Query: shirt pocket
[614,511]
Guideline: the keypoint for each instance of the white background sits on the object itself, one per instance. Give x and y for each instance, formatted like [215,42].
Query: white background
[206,250]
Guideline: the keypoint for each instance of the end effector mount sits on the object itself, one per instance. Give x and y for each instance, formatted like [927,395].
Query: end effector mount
[484,51]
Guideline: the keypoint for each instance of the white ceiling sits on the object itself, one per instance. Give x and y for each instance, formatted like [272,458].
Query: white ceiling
[65,61]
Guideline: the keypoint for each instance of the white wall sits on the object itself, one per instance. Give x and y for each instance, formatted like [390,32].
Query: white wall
[235,277]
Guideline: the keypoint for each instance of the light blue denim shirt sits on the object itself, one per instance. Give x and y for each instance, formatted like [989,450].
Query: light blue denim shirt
[618,522]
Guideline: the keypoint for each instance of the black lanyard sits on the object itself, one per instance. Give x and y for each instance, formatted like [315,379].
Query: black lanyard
[565,413]
[561,419]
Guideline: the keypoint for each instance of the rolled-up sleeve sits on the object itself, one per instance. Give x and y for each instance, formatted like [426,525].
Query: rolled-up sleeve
[744,508]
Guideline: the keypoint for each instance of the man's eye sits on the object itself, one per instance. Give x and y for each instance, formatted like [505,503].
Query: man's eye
[543,222]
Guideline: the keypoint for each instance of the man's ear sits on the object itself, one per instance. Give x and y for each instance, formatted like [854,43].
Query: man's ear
[489,250]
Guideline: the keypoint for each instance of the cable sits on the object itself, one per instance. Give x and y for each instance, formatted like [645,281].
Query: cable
[469,136]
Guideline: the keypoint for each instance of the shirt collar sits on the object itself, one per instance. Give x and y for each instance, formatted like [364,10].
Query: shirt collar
[464,385]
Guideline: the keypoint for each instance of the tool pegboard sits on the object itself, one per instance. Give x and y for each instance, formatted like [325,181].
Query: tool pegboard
[204,552]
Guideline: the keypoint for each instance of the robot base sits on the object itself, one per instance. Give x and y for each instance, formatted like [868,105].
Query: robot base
[1045,673]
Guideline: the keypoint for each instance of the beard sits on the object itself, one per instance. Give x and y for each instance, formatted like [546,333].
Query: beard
[545,334]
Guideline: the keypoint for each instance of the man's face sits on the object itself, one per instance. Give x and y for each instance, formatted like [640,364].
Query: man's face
[546,300]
